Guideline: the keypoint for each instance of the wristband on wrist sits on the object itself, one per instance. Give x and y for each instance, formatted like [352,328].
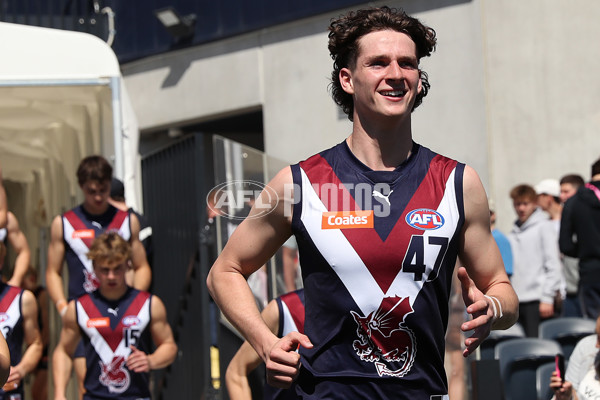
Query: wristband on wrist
[494,300]
[61,306]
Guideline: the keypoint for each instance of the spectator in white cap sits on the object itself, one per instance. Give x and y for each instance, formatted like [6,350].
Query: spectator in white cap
[548,198]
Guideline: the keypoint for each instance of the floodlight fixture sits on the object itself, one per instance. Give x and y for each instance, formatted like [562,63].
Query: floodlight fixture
[180,27]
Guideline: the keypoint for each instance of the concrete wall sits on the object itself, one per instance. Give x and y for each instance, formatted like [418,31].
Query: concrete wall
[543,91]
[515,92]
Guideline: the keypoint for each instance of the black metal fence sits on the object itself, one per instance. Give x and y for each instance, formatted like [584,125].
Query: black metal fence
[174,181]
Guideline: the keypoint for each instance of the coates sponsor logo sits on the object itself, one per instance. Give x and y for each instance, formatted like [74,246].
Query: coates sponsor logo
[234,199]
[83,234]
[131,320]
[98,322]
[4,317]
[347,219]
[425,219]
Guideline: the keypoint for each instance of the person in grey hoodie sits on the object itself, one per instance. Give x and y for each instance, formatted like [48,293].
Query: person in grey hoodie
[580,237]
[537,274]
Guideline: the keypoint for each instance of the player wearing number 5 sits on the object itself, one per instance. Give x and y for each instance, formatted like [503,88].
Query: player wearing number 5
[117,325]
[380,222]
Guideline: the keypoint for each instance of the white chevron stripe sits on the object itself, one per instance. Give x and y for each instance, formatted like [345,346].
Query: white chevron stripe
[77,245]
[288,322]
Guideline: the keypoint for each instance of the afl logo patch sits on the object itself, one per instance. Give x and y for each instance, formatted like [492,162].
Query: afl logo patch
[4,317]
[425,219]
[131,320]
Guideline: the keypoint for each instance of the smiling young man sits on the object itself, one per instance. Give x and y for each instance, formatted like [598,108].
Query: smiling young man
[376,293]
[73,232]
[118,325]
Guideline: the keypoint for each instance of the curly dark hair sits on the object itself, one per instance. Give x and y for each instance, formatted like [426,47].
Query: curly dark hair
[345,32]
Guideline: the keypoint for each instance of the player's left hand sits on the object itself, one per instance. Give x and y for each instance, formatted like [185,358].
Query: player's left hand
[479,308]
[138,360]
[14,379]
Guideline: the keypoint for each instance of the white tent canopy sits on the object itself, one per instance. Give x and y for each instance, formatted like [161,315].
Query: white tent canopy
[61,99]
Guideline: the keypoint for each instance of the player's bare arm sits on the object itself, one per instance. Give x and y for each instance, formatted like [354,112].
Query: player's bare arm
[56,255]
[4,360]
[487,291]
[250,247]
[162,336]
[33,353]
[246,360]
[18,241]
[142,273]
[63,353]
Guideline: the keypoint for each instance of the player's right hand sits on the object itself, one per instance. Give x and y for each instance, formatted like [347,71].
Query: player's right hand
[283,363]
[480,310]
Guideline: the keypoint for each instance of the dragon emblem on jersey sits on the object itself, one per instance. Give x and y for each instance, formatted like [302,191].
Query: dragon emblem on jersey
[384,338]
[91,282]
[114,375]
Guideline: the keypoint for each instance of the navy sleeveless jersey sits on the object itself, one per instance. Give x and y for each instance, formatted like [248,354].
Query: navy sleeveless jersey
[79,230]
[291,319]
[11,324]
[108,329]
[378,249]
